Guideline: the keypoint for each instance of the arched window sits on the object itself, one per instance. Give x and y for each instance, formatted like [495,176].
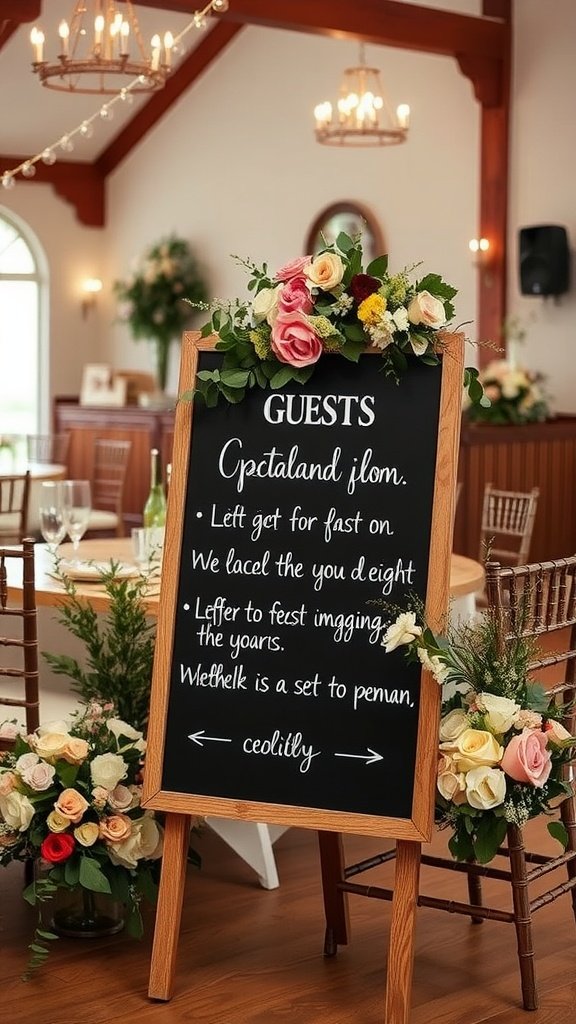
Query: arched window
[21,399]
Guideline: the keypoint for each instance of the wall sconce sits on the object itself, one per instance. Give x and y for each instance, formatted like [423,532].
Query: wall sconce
[90,288]
[480,249]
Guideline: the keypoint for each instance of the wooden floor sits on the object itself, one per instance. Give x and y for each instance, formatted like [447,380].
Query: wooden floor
[250,956]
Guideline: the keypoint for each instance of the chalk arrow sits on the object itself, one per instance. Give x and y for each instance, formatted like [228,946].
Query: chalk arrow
[370,758]
[200,738]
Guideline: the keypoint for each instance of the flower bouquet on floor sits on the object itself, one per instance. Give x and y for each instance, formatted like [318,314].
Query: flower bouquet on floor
[70,799]
[503,749]
[327,303]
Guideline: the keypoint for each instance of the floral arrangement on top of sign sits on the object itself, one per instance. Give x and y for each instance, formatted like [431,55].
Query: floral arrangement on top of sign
[70,797]
[503,749]
[326,303]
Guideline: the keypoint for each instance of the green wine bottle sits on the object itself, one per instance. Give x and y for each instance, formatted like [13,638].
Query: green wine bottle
[155,507]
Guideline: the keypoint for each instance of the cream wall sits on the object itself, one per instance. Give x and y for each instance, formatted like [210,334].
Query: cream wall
[543,156]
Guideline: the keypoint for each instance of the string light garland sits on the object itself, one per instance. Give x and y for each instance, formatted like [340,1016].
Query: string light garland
[85,129]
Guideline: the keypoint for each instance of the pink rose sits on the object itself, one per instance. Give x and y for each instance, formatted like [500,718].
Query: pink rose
[293,341]
[295,296]
[427,309]
[526,758]
[293,269]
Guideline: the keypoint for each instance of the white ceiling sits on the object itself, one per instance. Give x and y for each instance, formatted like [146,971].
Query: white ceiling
[34,117]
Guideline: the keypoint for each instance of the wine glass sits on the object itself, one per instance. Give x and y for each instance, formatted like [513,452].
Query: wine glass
[77,504]
[51,512]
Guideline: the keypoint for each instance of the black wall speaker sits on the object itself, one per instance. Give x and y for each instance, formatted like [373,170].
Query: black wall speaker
[544,260]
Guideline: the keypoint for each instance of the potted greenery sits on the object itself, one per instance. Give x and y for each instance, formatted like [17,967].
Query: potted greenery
[119,647]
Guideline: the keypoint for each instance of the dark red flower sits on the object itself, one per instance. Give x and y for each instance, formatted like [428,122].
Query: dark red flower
[57,847]
[362,285]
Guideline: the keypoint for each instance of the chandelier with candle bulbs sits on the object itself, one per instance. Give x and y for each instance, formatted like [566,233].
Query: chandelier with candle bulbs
[101,48]
[363,114]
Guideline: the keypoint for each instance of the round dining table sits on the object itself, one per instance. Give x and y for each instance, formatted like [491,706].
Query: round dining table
[39,472]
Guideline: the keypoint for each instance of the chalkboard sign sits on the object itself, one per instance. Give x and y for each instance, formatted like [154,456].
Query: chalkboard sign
[299,522]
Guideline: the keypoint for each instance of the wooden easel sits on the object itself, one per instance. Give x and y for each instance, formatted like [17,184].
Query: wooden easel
[409,833]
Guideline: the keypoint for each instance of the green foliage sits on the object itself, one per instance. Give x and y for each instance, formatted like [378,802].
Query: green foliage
[119,648]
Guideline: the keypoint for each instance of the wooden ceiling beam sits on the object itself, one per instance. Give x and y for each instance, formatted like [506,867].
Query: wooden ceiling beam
[80,184]
[385,22]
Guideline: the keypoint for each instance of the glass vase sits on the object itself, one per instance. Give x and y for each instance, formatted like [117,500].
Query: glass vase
[79,913]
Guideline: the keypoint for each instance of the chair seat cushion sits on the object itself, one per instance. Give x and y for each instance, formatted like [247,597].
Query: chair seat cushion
[100,519]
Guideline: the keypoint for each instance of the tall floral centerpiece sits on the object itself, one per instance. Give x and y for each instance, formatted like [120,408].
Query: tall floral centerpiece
[326,304]
[502,748]
[151,300]
[516,395]
[70,799]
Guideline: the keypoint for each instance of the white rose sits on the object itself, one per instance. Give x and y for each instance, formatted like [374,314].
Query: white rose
[106,770]
[402,631]
[9,731]
[145,841]
[16,810]
[485,787]
[453,724]
[39,776]
[556,732]
[400,318]
[450,784]
[119,728]
[58,725]
[501,712]
[427,310]
[264,304]
[50,745]
[26,761]
[121,798]
[434,665]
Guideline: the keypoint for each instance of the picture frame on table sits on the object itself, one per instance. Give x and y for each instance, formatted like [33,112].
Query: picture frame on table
[351,217]
[101,387]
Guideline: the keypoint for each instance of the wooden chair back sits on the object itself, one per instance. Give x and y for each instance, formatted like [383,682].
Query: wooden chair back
[14,499]
[540,601]
[19,632]
[507,525]
[109,478]
[48,448]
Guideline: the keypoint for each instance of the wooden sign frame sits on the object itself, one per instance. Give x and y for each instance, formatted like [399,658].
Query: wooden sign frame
[410,833]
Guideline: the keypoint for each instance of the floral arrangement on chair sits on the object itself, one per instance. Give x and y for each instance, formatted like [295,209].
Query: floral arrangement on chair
[70,798]
[151,300]
[326,304]
[515,394]
[502,747]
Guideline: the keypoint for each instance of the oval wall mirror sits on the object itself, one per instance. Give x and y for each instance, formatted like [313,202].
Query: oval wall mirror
[354,219]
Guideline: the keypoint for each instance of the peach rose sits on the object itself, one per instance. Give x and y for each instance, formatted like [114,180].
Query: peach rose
[71,804]
[293,340]
[485,787]
[426,309]
[87,833]
[526,758]
[145,841]
[116,828]
[325,271]
[75,751]
[7,783]
[475,747]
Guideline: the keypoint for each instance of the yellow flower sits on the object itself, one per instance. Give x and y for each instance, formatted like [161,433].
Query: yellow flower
[87,833]
[371,309]
[57,822]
